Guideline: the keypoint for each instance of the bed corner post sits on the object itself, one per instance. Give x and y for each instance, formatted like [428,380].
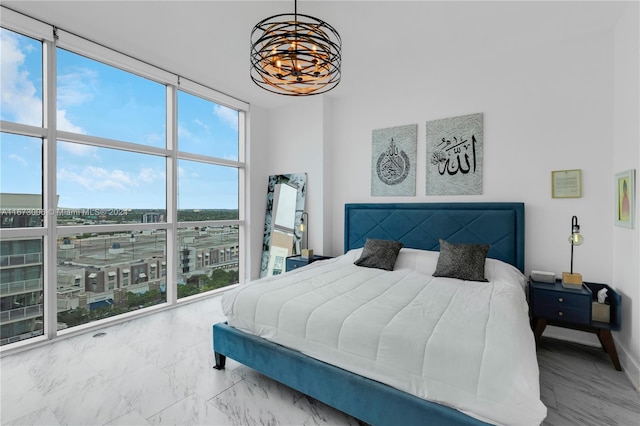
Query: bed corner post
[220,361]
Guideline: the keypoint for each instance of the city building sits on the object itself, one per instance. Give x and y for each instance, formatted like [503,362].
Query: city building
[95,271]
[21,270]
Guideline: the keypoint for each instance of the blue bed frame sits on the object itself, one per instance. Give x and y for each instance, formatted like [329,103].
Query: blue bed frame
[417,225]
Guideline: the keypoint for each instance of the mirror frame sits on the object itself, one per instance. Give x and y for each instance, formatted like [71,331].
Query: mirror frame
[299,180]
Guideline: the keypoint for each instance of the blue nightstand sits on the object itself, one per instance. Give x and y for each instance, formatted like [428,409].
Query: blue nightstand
[294,262]
[553,304]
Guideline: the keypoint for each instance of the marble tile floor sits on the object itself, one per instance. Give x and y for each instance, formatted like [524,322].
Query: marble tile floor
[157,370]
[580,386]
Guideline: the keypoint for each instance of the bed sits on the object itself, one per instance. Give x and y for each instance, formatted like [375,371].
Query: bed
[369,356]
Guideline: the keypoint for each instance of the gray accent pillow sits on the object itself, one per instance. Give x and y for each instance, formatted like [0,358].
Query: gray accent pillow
[462,261]
[380,254]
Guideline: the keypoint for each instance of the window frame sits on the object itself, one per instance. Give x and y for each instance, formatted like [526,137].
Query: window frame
[53,38]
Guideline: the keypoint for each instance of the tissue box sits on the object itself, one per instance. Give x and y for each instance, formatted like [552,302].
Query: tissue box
[600,312]
[306,254]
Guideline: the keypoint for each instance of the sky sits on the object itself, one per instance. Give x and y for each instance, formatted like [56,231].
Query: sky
[99,100]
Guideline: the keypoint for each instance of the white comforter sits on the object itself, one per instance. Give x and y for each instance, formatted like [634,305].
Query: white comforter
[464,344]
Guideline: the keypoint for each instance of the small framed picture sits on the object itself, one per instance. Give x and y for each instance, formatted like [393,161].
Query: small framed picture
[566,183]
[625,190]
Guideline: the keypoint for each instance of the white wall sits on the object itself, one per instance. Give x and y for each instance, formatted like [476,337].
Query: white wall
[547,107]
[626,146]
[547,104]
[290,140]
[257,185]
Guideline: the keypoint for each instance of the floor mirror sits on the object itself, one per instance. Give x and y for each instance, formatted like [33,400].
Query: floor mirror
[285,204]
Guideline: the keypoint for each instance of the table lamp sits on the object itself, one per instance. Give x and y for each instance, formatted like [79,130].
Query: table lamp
[569,279]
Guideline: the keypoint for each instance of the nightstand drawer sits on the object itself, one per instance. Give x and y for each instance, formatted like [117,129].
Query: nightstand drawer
[295,262]
[563,313]
[295,265]
[561,300]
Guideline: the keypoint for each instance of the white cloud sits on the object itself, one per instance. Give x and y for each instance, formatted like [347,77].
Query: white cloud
[77,149]
[77,87]
[18,159]
[183,132]
[101,179]
[230,157]
[19,95]
[70,176]
[201,124]
[227,115]
[65,124]
[155,139]
[97,178]
[148,175]
[117,179]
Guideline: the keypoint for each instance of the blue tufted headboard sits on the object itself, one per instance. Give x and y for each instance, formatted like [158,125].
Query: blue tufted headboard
[421,225]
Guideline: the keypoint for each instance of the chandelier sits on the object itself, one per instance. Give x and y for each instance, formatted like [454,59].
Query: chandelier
[295,55]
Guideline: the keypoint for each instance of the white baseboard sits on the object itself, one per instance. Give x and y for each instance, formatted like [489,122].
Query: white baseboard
[630,366]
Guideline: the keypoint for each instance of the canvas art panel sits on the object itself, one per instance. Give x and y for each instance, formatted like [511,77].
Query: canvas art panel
[393,160]
[625,195]
[454,155]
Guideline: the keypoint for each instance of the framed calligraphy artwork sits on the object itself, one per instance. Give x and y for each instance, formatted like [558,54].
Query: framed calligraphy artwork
[566,184]
[393,160]
[625,190]
[454,155]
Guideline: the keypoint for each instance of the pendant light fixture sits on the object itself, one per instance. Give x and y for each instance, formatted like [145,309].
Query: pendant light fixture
[295,55]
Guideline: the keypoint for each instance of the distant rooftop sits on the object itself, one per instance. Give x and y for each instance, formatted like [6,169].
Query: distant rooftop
[21,201]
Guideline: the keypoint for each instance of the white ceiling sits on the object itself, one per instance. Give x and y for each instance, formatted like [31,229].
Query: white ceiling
[208,41]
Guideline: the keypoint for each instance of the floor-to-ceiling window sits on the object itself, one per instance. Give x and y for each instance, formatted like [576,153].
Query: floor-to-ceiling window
[120,183]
